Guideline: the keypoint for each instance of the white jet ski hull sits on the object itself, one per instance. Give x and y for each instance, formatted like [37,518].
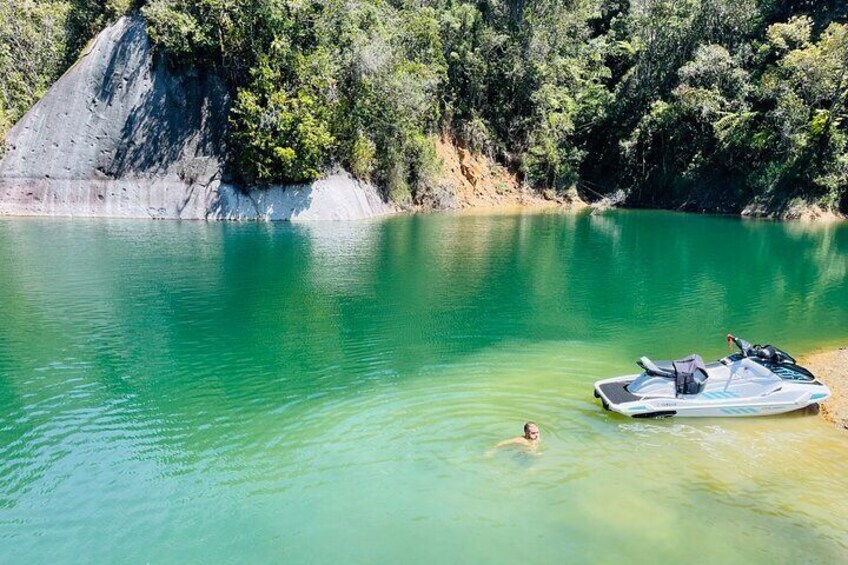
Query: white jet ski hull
[711,403]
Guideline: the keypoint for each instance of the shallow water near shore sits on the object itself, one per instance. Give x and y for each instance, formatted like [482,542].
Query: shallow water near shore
[174,392]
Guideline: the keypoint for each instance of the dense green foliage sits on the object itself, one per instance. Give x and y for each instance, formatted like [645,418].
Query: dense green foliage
[687,103]
[760,118]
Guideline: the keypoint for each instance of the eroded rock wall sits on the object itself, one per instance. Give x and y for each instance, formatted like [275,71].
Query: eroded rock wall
[118,135]
[122,135]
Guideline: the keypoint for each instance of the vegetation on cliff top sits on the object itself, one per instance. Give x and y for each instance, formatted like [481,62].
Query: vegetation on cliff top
[685,103]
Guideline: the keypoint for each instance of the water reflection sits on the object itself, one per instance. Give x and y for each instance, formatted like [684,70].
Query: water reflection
[187,381]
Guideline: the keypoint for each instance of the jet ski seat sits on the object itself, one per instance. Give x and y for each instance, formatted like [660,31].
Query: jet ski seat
[657,368]
[690,374]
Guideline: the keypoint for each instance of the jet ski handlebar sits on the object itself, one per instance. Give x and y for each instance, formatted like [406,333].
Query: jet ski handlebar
[764,352]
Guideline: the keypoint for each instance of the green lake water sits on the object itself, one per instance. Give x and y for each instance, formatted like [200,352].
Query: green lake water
[241,393]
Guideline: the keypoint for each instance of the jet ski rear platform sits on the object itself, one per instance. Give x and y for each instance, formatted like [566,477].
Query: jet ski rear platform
[615,392]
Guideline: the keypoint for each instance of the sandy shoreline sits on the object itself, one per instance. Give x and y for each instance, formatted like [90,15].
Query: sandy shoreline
[831,367]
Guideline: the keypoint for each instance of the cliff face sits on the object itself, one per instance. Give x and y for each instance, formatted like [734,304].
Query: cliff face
[122,135]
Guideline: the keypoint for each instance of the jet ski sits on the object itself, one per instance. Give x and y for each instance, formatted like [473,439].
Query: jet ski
[756,381]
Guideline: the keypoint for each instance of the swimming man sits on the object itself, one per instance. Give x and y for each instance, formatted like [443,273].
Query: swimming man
[530,438]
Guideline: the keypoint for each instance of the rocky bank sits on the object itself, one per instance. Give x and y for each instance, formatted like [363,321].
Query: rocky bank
[831,367]
[122,135]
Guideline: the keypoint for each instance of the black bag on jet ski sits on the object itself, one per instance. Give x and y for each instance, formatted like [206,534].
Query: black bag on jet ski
[690,375]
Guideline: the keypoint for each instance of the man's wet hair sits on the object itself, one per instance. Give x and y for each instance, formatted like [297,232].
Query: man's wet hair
[527,426]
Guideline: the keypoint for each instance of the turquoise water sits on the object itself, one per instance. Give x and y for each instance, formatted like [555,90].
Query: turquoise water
[192,392]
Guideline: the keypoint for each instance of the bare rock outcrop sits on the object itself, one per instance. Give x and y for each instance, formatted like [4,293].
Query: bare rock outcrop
[123,135]
[337,196]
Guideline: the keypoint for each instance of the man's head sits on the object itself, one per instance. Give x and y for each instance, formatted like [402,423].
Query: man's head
[531,431]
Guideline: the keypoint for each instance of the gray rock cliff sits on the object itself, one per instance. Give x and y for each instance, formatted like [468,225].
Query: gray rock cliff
[122,135]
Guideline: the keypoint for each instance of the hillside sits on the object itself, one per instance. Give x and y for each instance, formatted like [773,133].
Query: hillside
[717,106]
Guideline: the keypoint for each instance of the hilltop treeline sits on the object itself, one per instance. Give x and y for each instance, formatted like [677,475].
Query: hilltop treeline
[706,104]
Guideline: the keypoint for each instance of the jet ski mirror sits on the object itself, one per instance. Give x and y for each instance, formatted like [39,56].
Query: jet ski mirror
[744,346]
[773,354]
[783,356]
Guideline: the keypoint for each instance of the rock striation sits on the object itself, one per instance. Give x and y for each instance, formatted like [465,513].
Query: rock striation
[123,135]
[337,196]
